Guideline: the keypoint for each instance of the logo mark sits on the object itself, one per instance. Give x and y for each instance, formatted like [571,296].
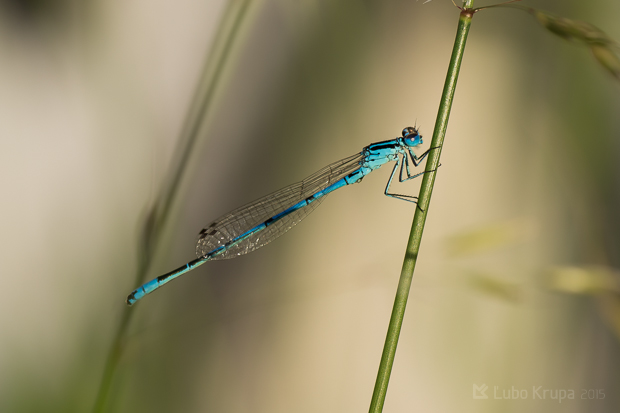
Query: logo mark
[480,391]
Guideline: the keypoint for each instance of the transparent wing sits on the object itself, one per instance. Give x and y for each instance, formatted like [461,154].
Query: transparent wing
[242,219]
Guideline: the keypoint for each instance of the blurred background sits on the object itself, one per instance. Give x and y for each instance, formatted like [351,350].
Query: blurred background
[517,286]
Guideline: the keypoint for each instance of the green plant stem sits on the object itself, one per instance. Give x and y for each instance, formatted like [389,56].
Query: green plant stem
[415,237]
[159,213]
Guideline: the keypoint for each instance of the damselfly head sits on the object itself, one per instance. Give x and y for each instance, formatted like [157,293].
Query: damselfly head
[411,136]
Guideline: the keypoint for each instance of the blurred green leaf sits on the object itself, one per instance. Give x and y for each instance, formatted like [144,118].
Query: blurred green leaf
[608,59]
[573,29]
[603,47]
[583,280]
[487,237]
[609,308]
[601,282]
[496,287]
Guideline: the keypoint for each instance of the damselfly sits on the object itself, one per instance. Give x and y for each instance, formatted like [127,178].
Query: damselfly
[260,222]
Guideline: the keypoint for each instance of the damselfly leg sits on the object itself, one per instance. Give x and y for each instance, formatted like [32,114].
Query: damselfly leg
[403,162]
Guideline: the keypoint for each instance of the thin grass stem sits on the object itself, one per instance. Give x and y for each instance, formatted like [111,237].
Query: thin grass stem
[415,236]
[159,213]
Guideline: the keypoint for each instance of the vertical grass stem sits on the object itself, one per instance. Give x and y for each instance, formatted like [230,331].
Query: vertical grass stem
[160,212]
[415,236]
